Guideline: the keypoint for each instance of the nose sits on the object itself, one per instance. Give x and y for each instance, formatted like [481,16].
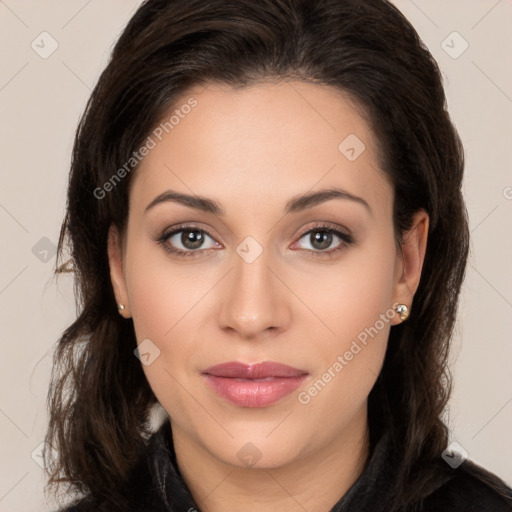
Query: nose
[254,301]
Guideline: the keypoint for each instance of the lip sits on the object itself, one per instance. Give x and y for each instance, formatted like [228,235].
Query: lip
[254,385]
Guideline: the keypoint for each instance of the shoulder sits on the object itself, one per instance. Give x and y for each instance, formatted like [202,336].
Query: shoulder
[471,488]
[143,496]
[135,502]
[87,504]
[82,505]
[142,492]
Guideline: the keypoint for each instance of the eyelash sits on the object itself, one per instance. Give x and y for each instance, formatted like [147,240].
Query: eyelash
[346,240]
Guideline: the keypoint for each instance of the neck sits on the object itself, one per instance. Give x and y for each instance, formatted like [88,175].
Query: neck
[313,482]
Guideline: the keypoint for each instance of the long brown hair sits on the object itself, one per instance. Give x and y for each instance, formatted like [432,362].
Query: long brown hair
[99,399]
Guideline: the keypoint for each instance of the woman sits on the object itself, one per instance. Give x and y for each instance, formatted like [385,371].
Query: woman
[266,224]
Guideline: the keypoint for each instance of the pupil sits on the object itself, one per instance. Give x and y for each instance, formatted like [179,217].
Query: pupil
[323,237]
[193,240]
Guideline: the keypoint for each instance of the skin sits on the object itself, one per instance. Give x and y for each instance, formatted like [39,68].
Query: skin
[252,150]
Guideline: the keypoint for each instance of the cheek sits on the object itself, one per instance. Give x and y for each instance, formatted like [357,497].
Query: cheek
[350,361]
[351,297]
[356,305]
[166,302]
[161,298]
[161,292]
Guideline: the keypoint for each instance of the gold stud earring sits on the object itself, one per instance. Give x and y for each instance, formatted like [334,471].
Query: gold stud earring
[403,311]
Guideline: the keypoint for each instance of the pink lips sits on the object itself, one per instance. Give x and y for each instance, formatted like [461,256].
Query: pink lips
[254,385]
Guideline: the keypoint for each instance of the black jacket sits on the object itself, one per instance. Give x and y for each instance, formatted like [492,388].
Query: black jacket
[157,486]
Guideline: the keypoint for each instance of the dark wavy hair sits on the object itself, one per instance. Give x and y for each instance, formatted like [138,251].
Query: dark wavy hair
[99,399]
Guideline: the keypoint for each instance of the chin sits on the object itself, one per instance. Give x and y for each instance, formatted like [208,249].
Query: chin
[256,450]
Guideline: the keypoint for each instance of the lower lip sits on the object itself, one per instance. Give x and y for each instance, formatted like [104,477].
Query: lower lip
[254,393]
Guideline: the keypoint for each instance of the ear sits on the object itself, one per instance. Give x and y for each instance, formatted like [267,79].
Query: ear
[115,259]
[410,262]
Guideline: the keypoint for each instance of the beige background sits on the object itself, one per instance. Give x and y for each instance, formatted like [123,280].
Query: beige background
[41,100]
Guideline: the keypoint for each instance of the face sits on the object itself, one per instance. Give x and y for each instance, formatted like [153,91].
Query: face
[260,275]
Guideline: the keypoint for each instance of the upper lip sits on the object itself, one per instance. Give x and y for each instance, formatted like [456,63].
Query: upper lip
[235,369]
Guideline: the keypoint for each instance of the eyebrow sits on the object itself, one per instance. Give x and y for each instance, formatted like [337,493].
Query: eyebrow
[296,204]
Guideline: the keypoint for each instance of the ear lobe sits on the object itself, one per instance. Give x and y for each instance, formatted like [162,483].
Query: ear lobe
[410,264]
[115,259]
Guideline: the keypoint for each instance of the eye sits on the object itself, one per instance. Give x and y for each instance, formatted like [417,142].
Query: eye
[186,241]
[322,237]
[189,241]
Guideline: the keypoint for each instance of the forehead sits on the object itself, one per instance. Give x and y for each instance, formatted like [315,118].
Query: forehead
[264,140]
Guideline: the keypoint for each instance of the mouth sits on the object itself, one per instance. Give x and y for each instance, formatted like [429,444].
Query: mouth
[254,385]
